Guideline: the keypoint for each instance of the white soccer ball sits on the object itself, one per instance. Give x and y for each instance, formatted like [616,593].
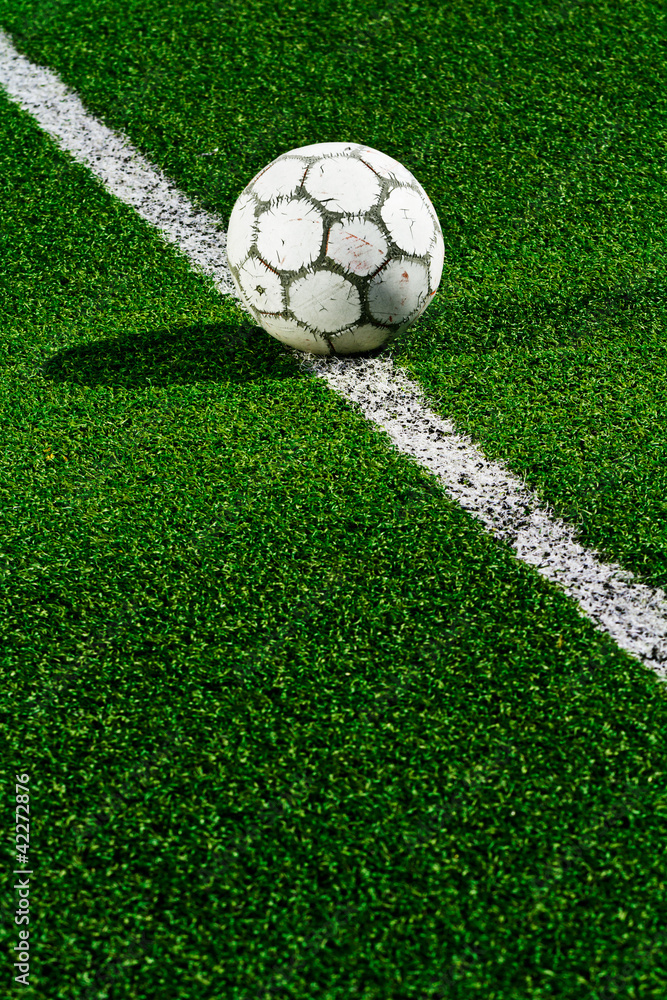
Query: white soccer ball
[335,248]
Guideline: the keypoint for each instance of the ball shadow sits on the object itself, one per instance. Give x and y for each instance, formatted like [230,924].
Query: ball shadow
[175,355]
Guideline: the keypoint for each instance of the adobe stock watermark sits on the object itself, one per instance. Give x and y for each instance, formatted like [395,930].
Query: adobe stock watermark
[22,884]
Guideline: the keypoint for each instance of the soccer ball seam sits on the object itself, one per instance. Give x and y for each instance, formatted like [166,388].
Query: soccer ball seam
[350,281]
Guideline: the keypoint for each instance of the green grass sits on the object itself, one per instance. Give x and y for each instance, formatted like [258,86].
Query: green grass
[296,726]
[540,133]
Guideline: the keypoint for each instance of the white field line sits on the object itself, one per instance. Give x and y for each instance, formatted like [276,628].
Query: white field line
[633,614]
[116,163]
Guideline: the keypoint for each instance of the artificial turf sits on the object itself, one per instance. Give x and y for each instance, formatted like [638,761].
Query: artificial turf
[539,132]
[296,726]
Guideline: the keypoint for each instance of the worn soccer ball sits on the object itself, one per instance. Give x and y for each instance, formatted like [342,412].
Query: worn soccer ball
[335,248]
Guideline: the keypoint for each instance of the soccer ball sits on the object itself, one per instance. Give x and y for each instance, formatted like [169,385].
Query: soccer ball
[335,248]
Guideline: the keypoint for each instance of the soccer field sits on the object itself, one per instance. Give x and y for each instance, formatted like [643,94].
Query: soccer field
[305,709]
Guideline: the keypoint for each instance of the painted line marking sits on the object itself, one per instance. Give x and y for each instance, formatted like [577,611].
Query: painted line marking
[117,164]
[632,613]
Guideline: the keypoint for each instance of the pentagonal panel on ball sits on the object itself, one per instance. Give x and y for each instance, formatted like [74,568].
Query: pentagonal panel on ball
[398,292]
[409,221]
[289,332]
[386,166]
[279,179]
[364,337]
[357,245]
[241,230]
[324,301]
[261,286]
[436,260]
[289,234]
[342,185]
